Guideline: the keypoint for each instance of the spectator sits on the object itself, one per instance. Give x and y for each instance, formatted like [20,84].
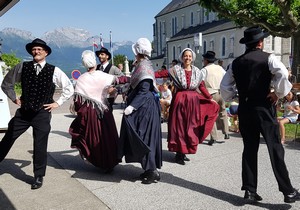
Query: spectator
[161,75]
[165,100]
[214,76]
[233,113]
[221,63]
[292,78]
[120,66]
[290,113]
[174,62]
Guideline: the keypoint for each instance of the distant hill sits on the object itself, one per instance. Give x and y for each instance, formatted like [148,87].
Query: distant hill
[67,44]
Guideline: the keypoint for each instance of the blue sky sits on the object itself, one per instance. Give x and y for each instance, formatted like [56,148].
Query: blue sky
[127,19]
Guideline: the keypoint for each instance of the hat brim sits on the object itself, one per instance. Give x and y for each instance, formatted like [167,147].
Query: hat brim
[244,41]
[210,59]
[29,47]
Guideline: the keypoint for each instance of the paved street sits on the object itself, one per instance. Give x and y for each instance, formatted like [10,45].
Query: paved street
[211,180]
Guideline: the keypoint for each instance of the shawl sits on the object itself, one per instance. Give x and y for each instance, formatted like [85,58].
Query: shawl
[143,70]
[92,87]
[177,73]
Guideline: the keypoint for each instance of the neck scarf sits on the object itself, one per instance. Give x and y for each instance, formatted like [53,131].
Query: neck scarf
[143,70]
[178,76]
[92,87]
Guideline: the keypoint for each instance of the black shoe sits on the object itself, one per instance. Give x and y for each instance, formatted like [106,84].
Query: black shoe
[150,176]
[251,196]
[179,158]
[185,158]
[292,197]
[38,182]
[226,136]
[211,142]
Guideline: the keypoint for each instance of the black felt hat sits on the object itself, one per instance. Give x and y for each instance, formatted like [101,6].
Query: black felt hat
[40,43]
[210,56]
[253,34]
[103,50]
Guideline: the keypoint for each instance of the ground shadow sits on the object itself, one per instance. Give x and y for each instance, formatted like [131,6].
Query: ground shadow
[61,133]
[70,115]
[5,202]
[14,168]
[131,173]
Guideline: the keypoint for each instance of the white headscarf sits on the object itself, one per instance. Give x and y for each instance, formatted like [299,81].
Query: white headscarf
[88,59]
[189,49]
[142,46]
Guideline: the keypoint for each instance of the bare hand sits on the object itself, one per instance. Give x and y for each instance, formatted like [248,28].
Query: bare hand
[112,91]
[18,102]
[50,107]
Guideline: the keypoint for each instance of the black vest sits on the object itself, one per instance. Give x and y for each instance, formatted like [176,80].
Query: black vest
[253,77]
[37,90]
[106,70]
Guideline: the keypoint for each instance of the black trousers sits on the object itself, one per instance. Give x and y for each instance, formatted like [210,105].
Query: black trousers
[254,121]
[40,122]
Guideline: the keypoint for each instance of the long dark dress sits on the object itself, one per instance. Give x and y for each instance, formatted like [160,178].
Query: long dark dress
[96,139]
[140,136]
[191,119]
[94,132]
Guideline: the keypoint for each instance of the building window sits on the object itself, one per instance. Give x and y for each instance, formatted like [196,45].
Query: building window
[199,16]
[204,46]
[174,26]
[192,18]
[174,53]
[206,15]
[212,45]
[183,21]
[231,47]
[223,46]
[160,37]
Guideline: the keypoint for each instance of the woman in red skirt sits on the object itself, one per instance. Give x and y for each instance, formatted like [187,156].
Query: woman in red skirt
[192,114]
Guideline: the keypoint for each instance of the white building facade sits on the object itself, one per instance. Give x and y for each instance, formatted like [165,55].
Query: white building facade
[183,23]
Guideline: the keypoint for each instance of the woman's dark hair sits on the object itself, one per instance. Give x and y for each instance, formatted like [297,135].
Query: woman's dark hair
[294,98]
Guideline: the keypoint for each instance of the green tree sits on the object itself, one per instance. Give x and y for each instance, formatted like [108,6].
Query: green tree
[119,59]
[280,17]
[10,59]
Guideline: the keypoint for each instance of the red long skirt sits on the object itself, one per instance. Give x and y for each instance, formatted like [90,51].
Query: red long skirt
[191,119]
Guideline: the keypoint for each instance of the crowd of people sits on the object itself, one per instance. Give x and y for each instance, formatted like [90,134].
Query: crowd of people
[188,98]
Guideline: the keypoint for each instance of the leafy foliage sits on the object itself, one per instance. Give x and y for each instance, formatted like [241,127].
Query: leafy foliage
[119,59]
[279,17]
[10,59]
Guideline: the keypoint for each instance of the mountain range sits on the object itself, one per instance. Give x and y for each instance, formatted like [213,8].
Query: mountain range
[67,44]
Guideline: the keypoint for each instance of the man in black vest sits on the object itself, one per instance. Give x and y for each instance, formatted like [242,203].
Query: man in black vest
[250,76]
[38,81]
[104,57]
